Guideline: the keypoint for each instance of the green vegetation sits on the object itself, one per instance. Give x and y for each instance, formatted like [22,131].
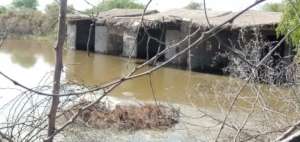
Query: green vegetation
[22,19]
[273,7]
[23,22]
[28,4]
[290,19]
[2,9]
[111,4]
[29,22]
[194,6]
[51,12]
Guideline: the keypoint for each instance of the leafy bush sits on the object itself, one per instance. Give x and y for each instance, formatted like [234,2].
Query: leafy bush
[273,7]
[2,9]
[52,13]
[194,6]
[23,22]
[290,20]
[27,4]
[111,4]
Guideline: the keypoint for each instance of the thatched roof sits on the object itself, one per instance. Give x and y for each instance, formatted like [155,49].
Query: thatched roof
[114,13]
[125,13]
[130,18]
[78,17]
[252,18]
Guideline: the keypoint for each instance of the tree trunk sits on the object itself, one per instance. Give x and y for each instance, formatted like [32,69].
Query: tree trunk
[58,68]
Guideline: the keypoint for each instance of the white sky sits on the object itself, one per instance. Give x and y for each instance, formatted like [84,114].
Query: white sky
[162,5]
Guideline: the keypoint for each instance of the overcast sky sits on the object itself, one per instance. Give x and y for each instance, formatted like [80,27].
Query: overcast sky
[162,5]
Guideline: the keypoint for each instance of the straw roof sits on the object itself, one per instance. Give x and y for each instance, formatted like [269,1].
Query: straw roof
[114,13]
[250,18]
[131,17]
[125,13]
[78,17]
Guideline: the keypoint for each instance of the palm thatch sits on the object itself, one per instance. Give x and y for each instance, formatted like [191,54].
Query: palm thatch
[250,18]
[131,18]
[125,13]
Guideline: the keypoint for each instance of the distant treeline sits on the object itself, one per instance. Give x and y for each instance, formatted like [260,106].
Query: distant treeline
[22,18]
[26,22]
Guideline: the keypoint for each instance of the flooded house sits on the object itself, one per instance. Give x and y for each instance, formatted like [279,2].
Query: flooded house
[120,32]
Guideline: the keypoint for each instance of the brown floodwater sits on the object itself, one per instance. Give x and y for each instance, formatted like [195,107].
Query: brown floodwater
[32,63]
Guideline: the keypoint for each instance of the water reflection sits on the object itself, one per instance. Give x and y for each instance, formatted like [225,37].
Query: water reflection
[168,84]
[29,61]
[24,61]
[25,53]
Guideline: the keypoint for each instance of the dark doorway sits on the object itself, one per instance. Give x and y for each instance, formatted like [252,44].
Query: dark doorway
[148,47]
[82,35]
[273,41]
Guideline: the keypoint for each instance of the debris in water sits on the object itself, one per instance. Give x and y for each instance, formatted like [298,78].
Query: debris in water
[126,117]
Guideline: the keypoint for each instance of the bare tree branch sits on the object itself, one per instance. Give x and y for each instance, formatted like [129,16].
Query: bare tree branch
[62,28]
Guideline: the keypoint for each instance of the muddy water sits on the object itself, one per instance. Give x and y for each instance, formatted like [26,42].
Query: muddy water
[32,63]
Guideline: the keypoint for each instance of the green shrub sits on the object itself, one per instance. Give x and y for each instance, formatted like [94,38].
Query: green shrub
[27,4]
[273,7]
[24,22]
[121,4]
[194,6]
[290,20]
[2,9]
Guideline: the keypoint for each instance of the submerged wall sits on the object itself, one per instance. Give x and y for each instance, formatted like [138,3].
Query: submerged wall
[130,44]
[202,57]
[114,43]
[209,56]
[149,42]
[71,34]
[206,57]
[172,37]
[101,39]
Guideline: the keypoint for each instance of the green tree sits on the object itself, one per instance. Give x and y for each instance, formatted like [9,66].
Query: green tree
[194,6]
[290,19]
[273,7]
[3,9]
[122,4]
[52,12]
[30,4]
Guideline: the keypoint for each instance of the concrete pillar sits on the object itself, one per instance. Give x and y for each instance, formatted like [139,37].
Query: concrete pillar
[130,45]
[172,37]
[101,39]
[71,34]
